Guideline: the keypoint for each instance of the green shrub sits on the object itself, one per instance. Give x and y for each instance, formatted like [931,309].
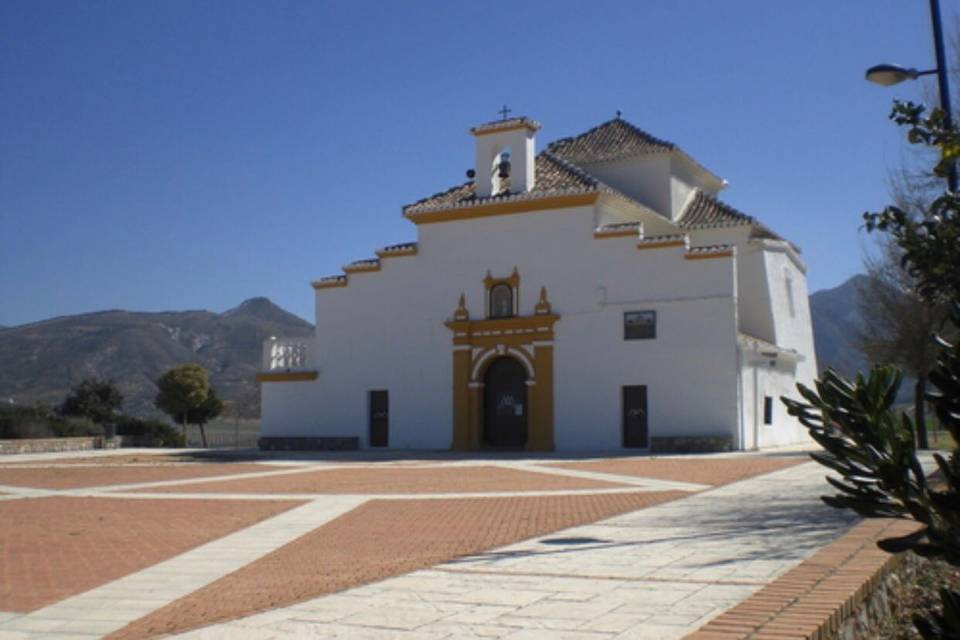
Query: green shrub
[38,421]
[152,432]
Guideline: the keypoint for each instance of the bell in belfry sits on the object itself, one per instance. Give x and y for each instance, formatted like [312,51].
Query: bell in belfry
[504,166]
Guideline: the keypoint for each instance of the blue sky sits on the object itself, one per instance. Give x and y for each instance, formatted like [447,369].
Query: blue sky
[190,154]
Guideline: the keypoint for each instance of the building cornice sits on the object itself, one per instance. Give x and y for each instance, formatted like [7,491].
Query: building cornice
[362,266]
[499,126]
[710,252]
[330,282]
[493,331]
[398,250]
[784,247]
[521,203]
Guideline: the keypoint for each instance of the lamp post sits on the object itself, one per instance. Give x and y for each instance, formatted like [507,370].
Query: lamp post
[890,74]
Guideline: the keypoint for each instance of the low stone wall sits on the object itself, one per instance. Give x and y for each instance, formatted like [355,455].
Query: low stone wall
[55,445]
[344,443]
[866,621]
[690,444]
[838,593]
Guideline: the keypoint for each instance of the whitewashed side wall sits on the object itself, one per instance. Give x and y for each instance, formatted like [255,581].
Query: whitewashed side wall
[791,307]
[385,331]
[755,308]
[761,379]
[682,182]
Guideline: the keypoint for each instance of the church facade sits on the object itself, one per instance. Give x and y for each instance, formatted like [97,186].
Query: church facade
[595,296]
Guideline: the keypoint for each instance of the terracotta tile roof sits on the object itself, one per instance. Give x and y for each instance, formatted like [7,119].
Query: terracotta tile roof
[558,171]
[706,211]
[611,140]
[554,176]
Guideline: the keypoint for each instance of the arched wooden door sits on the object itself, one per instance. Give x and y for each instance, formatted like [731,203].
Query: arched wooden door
[505,404]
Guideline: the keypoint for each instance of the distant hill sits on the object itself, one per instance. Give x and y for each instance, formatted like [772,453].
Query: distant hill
[42,360]
[836,320]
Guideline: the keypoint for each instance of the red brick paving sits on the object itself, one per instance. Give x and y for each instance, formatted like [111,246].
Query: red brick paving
[57,547]
[119,458]
[713,471]
[812,600]
[380,539]
[465,479]
[72,477]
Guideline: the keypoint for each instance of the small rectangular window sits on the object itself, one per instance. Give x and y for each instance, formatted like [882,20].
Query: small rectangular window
[767,410]
[639,325]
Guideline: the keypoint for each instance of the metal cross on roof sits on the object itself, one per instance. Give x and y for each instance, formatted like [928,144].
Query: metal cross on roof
[504,112]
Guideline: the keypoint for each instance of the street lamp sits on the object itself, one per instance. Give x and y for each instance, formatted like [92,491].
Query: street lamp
[890,74]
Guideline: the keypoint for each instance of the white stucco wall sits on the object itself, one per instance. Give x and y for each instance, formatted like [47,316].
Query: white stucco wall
[762,378]
[385,331]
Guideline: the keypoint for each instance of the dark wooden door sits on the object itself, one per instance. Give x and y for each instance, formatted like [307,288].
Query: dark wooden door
[505,404]
[379,419]
[635,417]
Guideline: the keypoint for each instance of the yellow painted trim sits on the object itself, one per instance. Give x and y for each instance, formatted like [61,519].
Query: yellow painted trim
[626,233]
[511,332]
[329,284]
[514,280]
[540,429]
[361,268]
[461,400]
[661,245]
[288,376]
[489,282]
[503,208]
[398,253]
[707,256]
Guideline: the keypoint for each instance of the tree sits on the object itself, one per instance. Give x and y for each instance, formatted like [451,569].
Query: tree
[898,324]
[97,400]
[864,440]
[183,389]
[209,409]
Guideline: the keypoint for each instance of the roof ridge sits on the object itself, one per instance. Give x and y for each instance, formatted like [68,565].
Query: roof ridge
[712,198]
[729,207]
[617,120]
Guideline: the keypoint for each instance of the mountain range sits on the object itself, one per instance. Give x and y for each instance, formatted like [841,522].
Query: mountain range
[836,321]
[42,360]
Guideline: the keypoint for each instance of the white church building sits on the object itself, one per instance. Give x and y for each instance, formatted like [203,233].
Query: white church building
[597,296]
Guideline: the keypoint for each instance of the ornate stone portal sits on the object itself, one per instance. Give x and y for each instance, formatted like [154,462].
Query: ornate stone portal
[476,344]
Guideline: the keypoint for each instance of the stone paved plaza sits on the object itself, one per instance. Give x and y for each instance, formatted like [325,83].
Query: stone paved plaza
[132,545]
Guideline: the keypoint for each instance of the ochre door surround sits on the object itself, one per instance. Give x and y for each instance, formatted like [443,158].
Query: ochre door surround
[476,344]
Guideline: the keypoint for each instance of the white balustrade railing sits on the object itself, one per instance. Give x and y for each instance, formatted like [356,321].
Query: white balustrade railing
[287,354]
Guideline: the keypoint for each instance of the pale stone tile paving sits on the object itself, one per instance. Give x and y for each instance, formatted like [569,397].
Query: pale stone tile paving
[657,573]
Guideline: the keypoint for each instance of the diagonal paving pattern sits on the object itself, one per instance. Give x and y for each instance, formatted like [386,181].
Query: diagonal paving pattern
[648,484]
[657,573]
[112,606]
